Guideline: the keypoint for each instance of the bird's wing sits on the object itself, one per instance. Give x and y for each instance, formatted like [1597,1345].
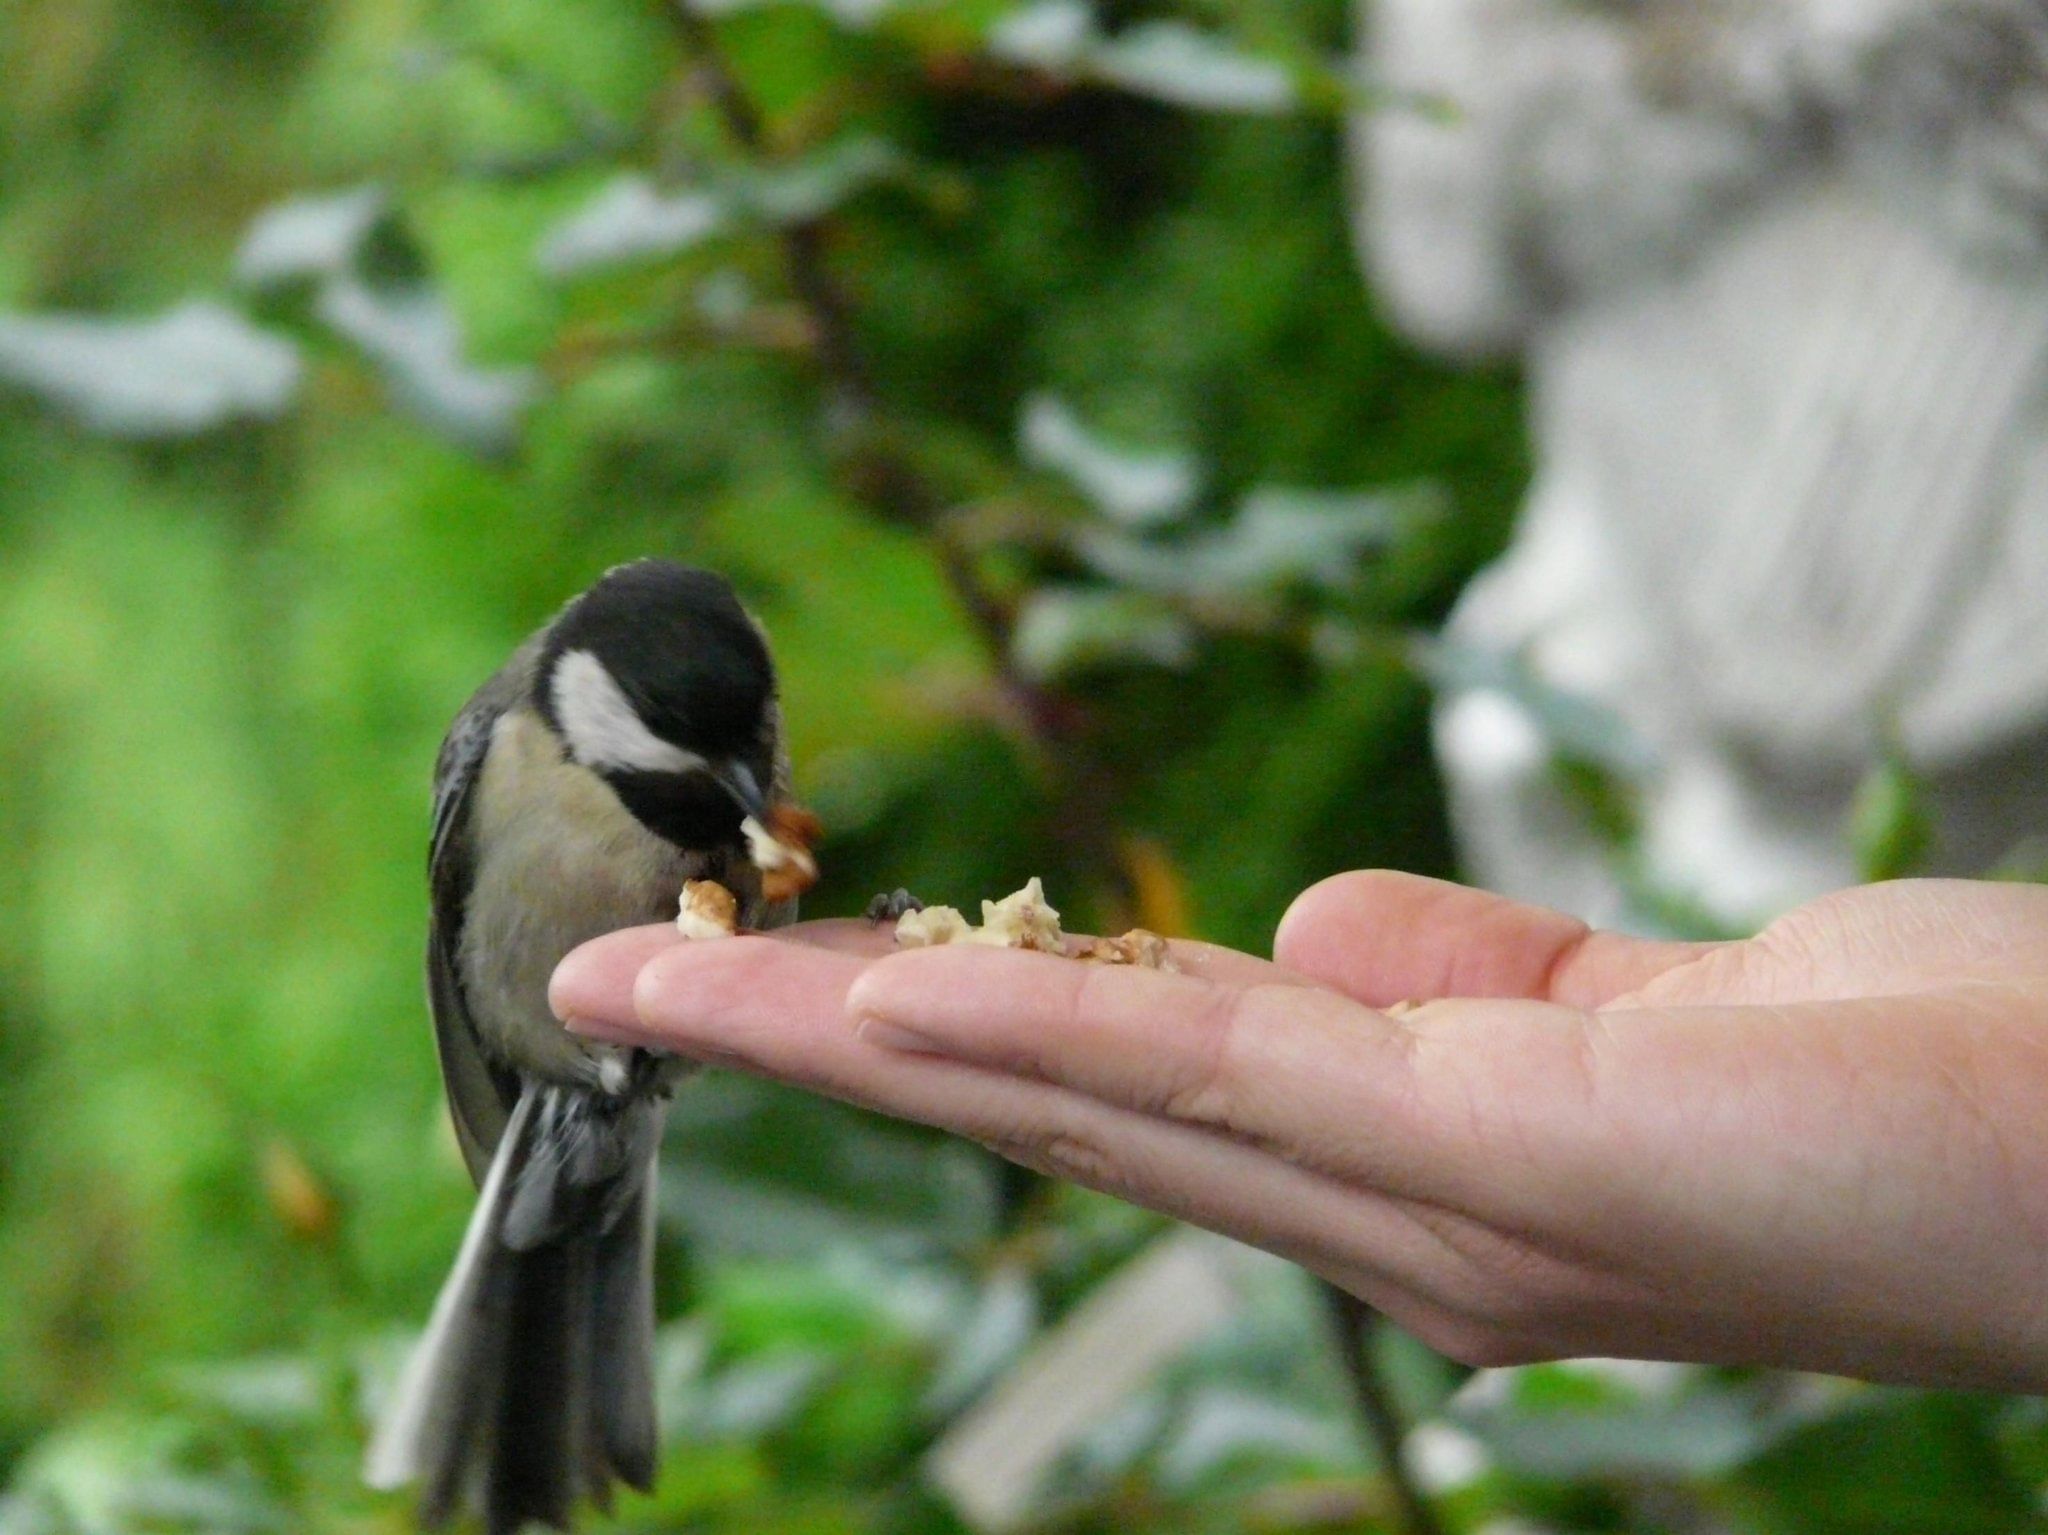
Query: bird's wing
[480,1095]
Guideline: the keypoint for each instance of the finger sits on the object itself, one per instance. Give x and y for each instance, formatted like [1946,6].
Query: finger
[781,1010]
[1206,961]
[1295,1069]
[1383,938]
[594,982]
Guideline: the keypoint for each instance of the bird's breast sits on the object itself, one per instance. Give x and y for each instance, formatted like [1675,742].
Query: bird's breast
[559,861]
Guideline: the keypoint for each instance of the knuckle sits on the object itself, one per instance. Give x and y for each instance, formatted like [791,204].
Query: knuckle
[1078,1160]
[1059,1151]
[1207,1089]
[1506,1287]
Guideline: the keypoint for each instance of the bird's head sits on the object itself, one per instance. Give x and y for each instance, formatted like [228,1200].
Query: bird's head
[658,681]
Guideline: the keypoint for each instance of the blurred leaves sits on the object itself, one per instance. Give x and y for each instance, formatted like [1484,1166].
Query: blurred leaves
[1276,541]
[1166,573]
[1575,727]
[191,369]
[1136,489]
[1169,61]
[1891,827]
[629,219]
[760,1170]
[1062,631]
[1178,64]
[352,263]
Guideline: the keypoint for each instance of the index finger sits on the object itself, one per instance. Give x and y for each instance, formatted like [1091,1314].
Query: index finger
[1270,1063]
[596,980]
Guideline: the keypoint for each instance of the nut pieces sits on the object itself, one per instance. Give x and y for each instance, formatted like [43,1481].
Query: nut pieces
[1025,921]
[1020,921]
[709,910]
[781,850]
[1138,947]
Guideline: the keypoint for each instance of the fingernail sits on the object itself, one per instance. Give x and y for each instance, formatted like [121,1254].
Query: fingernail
[887,1035]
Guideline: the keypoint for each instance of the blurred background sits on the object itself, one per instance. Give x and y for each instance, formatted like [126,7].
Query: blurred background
[1017,362]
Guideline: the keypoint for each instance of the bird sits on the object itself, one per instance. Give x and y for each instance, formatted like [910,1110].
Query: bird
[614,756]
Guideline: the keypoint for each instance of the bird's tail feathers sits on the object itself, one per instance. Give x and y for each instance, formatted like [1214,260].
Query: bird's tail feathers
[532,1387]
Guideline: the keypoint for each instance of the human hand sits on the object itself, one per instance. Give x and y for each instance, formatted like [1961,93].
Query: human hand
[1822,1148]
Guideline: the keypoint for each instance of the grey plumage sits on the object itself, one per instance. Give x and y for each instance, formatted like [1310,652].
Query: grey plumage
[532,1387]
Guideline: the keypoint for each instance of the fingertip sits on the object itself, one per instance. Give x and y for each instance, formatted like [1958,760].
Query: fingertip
[922,985]
[881,989]
[740,986]
[595,980]
[1383,937]
[682,978]
[1328,915]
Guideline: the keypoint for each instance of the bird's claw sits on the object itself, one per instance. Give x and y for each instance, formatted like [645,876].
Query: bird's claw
[892,906]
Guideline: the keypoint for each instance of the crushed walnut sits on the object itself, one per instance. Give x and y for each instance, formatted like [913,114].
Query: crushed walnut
[1025,921]
[781,850]
[1138,947]
[709,910]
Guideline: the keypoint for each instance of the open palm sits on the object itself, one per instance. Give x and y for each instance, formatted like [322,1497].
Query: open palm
[1825,1147]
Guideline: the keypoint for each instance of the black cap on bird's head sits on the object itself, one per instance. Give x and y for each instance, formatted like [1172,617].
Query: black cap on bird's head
[657,680]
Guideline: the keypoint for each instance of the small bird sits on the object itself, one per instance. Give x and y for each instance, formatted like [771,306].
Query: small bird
[613,757]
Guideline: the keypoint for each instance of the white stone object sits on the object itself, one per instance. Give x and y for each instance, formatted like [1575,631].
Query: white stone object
[1779,270]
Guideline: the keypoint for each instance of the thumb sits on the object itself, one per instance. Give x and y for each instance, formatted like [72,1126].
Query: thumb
[1382,937]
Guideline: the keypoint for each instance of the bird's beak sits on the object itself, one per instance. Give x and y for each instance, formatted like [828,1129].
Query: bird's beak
[738,780]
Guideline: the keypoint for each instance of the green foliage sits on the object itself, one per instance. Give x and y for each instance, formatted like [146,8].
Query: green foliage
[1890,825]
[1013,360]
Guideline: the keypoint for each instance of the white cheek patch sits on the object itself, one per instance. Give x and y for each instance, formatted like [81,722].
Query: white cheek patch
[600,725]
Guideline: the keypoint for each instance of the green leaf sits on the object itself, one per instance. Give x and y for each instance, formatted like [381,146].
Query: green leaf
[813,186]
[1052,35]
[1278,541]
[1164,60]
[1174,62]
[1574,726]
[1892,1463]
[1132,488]
[274,1391]
[1890,825]
[852,13]
[1063,630]
[26,1514]
[113,1475]
[1559,1424]
[307,240]
[759,1396]
[1223,1433]
[370,284]
[192,369]
[631,220]
[992,1337]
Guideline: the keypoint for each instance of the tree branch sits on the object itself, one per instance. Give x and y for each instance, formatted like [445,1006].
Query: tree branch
[896,489]
[1352,1322]
[803,243]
